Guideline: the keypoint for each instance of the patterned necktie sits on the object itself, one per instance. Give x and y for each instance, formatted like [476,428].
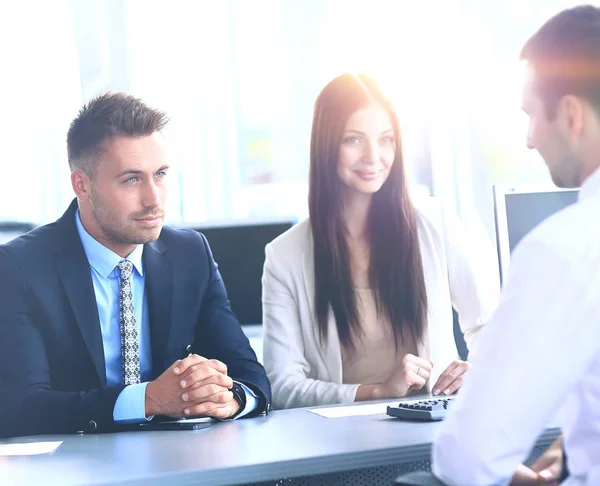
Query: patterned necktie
[130,348]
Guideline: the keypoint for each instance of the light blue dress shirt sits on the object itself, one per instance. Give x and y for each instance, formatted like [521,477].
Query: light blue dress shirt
[131,402]
[130,406]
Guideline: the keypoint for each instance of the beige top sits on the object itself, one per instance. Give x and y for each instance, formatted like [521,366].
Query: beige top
[375,357]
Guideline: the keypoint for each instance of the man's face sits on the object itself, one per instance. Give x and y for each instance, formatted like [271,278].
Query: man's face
[128,192]
[550,137]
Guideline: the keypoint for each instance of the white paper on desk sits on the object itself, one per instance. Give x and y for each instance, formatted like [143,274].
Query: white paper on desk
[28,448]
[353,410]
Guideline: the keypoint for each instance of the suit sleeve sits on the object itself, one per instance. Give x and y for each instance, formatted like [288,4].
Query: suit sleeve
[220,336]
[29,404]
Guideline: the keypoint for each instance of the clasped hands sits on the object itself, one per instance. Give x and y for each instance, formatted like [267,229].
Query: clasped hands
[414,373]
[192,386]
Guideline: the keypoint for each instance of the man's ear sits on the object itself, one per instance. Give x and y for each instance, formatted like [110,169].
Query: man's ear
[82,184]
[572,114]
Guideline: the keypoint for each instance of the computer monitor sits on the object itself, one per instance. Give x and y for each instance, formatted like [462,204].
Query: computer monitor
[239,250]
[518,210]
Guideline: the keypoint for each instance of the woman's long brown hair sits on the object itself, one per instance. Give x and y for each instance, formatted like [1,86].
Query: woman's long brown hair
[396,267]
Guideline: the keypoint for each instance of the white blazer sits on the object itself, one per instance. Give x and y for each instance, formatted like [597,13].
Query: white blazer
[460,269]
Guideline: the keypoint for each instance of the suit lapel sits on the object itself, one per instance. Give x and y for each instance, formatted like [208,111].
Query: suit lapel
[74,270]
[158,272]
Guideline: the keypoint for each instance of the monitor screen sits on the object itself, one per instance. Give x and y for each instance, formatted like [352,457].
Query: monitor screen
[239,250]
[518,210]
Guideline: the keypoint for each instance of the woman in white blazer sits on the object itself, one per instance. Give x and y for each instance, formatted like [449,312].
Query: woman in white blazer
[357,300]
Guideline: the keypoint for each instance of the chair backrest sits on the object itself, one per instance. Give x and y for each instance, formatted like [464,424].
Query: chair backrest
[459,338]
[239,250]
[11,229]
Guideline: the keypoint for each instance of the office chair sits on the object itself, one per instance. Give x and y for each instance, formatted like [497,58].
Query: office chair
[418,479]
[15,227]
[459,338]
[12,229]
[239,249]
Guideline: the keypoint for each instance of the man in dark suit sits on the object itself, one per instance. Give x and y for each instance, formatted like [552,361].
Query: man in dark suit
[106,316]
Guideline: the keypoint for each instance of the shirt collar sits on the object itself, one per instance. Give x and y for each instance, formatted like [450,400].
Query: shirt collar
[101,258]
[590,186]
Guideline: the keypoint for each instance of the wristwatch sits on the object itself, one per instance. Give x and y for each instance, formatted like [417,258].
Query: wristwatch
[240,396]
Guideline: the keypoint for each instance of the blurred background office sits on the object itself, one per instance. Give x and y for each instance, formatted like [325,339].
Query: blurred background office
[239,78]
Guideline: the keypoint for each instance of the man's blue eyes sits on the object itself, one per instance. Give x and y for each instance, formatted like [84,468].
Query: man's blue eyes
[133,179]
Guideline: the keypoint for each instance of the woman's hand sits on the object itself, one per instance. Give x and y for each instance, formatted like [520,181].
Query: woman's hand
[412,374]
[452,378]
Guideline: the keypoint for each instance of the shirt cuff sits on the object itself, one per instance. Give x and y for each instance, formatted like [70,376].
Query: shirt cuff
[251,401]
[130,406]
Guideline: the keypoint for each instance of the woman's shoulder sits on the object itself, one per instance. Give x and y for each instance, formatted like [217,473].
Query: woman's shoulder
[429,211]
[293,242]
[436,223]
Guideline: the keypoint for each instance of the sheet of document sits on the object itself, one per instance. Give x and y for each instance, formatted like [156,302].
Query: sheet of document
[28,448]
[353,410]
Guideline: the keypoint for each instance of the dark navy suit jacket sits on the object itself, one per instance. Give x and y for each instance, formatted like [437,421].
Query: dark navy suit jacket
[52,370]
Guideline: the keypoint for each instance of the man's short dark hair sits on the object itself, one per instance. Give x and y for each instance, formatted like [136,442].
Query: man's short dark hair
[104,117]
[565,56]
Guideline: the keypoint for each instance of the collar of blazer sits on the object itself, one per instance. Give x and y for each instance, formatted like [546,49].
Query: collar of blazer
[329,350]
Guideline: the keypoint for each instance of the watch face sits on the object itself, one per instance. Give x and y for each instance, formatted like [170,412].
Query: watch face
[239,394]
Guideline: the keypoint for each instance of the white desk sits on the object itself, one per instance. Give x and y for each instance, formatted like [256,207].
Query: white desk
[295,444]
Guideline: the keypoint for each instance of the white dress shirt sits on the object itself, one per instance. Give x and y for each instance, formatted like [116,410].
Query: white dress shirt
[539,354]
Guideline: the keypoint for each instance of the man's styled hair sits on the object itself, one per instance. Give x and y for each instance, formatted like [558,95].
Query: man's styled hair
[565,56]
[104,117]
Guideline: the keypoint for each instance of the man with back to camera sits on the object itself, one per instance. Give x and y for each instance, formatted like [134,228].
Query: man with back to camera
[108,317]
[548,321]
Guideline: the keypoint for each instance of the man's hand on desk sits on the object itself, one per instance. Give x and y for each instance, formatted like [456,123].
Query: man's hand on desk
[192,386]
[206,390]
[545,470]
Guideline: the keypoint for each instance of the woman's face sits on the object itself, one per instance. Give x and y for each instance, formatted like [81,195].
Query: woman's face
[367,150]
